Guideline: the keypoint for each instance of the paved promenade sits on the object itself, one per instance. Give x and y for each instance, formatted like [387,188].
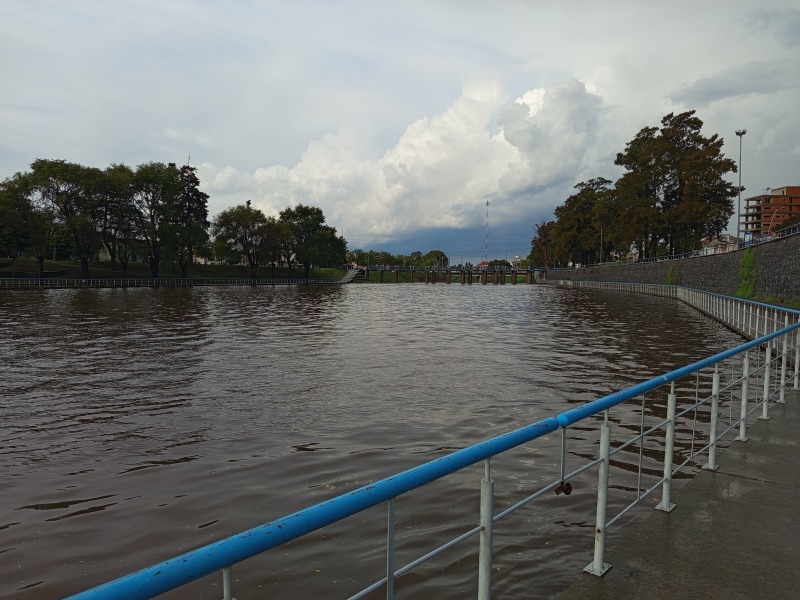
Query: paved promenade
[735,533]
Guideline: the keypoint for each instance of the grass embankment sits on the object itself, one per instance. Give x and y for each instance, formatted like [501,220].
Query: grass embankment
[68,269]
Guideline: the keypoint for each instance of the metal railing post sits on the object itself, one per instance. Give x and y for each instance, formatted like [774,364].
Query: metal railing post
[767,377]
[669,444]
[227,584]
[485,554]
[784,358]
[390,526]
[745,380]
[597,566]
[797,359]
[711,465]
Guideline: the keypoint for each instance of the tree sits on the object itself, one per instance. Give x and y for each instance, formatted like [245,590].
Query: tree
[73,190]
[245,230]
[10,222]
[436,258]
[500,263]
[33,212]
[306,234]
[357,257]
[576,232]
[673,190]
[118,216]
[331,250]
[156,187]
[188,223]
[540,244]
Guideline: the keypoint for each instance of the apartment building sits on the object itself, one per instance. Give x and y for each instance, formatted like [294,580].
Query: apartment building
[765,213]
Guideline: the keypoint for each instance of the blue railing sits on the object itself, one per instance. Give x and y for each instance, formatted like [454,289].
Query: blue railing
[767,357]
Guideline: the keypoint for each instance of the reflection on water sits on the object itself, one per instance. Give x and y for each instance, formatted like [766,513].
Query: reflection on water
[141,423]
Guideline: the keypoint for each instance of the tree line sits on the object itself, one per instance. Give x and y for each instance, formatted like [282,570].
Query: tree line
[433,258]
[154,213]
[670,196]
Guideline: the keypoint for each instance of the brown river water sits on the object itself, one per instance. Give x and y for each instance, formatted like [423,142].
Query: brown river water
[138,424]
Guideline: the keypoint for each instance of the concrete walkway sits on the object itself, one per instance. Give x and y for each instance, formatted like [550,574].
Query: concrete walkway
[735,533]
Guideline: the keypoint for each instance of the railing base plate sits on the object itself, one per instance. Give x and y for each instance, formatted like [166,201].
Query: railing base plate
[592,571]
[666,507]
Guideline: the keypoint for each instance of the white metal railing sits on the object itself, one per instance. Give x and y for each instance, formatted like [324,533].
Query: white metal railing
[681,416]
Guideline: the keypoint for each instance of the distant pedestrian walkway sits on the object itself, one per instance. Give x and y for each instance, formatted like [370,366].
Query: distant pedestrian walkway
[733,535]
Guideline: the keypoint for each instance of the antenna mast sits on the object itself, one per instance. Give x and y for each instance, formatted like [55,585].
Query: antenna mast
[487,232]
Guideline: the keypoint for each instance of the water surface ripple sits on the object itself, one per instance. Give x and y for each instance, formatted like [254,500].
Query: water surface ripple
[142,423]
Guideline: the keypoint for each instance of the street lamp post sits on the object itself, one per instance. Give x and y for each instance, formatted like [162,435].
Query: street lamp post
[740,133]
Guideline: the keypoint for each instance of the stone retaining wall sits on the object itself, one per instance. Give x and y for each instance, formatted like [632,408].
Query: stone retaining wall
[777,268]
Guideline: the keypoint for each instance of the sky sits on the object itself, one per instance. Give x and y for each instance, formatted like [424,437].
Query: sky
[414,125]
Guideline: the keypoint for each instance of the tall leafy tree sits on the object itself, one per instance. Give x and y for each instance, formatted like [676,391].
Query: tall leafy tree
[697,201]
[638,192]
[156,188]
[119,216]
[541,244]
[306,234]
[73,190]
[10,222]
[673,190]
[331,248]
[188,229]
[32,213]
[244,230]
[576,233]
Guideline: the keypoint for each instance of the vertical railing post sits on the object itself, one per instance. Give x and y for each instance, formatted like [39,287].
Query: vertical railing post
[669,444]
[767,381]
[390,527]
[597,566]
[711,465]
[487,523]
[784,359]
[745,380]
[227,584]
[740,314]
[797,359]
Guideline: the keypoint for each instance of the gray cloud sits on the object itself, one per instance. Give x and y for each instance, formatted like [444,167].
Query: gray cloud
[782,25]
[399,119]
[755,78]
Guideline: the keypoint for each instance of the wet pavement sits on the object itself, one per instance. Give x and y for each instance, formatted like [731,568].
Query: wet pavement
[735,533]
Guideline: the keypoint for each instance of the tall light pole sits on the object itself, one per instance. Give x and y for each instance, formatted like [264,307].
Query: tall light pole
[740,133]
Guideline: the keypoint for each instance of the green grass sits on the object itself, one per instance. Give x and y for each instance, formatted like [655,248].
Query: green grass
[747,275]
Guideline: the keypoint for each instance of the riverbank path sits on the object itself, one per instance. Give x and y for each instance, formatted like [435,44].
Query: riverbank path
[734,533]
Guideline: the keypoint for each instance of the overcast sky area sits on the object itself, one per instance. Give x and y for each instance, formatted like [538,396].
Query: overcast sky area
[401,120]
